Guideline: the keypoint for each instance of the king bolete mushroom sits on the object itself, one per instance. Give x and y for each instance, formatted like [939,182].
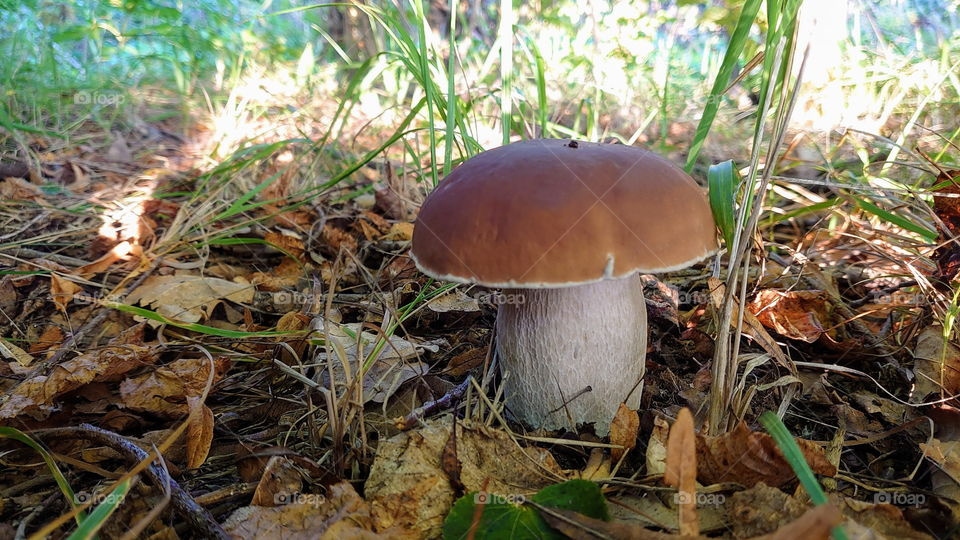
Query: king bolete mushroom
[565,228]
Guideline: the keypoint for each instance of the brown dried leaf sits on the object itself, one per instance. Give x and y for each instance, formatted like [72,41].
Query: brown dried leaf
[12,352]
[681,470]
[189,299]
[63,291]
[450,463]
[286,274]
[402,231]
[936,364]
[623,431]
[800,315]
[946,454]
[290,244]
[280,482]
[35,396]
[52,336]
[199,432]
[815,524]
[465,361]
[165,391]
[407,486]
[341,513]
[748,457]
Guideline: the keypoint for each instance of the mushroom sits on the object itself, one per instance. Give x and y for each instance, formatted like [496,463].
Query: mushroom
[565,228]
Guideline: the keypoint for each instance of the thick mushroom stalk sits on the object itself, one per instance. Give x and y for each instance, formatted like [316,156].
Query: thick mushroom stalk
[573,354]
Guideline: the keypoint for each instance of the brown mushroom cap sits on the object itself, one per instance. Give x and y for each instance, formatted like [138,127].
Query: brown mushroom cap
[555,213]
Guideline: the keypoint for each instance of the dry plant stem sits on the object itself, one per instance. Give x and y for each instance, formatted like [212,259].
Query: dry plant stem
[183,504]
[727,348]
[559,342]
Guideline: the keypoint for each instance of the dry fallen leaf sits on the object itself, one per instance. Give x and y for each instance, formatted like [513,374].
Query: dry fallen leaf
[52,336]
[35,396]
[340,513]
[165,390]
[188,298]
[63,291]
[681,470]
[936,365]
[408,488]
[657,446]
[385,375]
[12,352]
[800,315]
[199,432]
[280,482]
[946,454]
[748,458]
[623,431]
[815,524]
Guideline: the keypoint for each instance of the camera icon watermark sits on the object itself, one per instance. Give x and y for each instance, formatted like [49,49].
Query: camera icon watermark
[84,497]
[898,498]
[485,497]
[700,499]
[86,97]
[312,499]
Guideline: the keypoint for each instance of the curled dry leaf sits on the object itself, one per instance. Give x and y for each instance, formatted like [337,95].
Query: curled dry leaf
[51,337]
[63,291]
[936,365]
[165,391]
[408,488]
[681,470]
[387,373]
[188,298]
[623,431]
[199,432]
[657,446]
[10,351]
[801,315]
[748,458]
[35,396]
[280,481]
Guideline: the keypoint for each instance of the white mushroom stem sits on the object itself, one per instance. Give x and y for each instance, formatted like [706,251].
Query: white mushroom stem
[555,343]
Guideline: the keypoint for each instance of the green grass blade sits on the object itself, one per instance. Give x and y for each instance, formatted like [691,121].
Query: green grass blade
[200,328]
[451,90]
[17,435]
[98,518]
[506,67]
[793,455]
[734,49]
[928,234]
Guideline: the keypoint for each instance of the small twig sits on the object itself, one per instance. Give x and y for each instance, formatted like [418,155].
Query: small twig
[447,401]
[29,253]
[183,504]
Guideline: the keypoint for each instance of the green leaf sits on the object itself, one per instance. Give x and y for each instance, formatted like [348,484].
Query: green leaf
[505,516]
[723,179]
